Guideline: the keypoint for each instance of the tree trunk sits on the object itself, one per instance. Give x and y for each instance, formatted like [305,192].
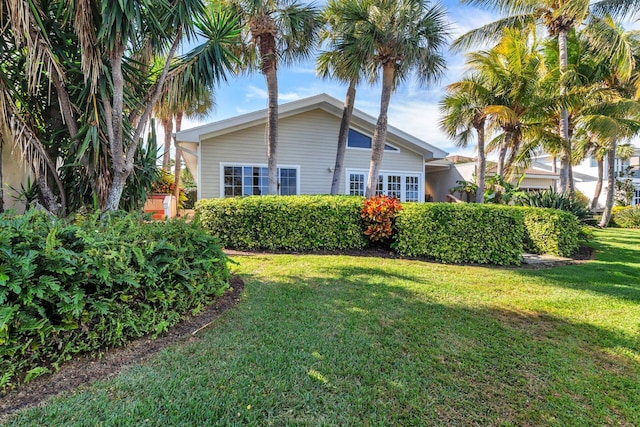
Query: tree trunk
[178,165]
[596,193]
[502,154]
[380,133]
[611,183]
[565,154]
[508,165]
[46,195]
[167,125]
[338,170]
[481,166]
[1,179]
[272,130]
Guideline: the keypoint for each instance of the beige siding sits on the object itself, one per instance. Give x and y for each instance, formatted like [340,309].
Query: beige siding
[14,174]
[542,183]
[307,140]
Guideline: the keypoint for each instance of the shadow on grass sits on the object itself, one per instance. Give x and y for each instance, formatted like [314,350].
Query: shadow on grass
[615,271]
[473,363]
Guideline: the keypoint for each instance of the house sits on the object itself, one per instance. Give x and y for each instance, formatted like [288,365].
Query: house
[13,178]
[460,168]
[229,157]
[585,174]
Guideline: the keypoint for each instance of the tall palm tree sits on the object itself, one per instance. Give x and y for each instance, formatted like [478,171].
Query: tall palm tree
[513,69]
[275,31]
[464,110]
[400,37]
[559,17]
[344,61]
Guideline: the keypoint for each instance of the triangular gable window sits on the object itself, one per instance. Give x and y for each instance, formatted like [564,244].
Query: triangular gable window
[359,140]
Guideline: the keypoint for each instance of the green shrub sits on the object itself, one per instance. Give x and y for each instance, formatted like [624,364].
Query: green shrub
[550,198]
[298,223]
[550,231]
[67,288]
[628,217]
[456,233]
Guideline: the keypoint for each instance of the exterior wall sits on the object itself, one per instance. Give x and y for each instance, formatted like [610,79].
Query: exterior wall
[537,183]
[308,141]
[438,183]
[14,174]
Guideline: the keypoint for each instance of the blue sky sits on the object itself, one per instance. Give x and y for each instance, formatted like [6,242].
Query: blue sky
[413,109]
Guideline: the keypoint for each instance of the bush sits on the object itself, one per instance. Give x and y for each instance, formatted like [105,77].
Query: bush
[552,199]
[378,213]
[627,217]
[298,223]
[456,233]
[550,231]
[67,288]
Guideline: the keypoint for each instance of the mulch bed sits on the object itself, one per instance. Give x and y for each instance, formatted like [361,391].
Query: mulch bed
[82,370]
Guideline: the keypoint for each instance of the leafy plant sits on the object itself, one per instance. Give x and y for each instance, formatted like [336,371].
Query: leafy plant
[378,213]
[563,201]
[28,193]
[71,287]
[469,188]
[628,217]
[166,184]
[499,191]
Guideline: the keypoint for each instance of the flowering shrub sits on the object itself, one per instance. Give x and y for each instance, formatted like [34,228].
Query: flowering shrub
[378,213]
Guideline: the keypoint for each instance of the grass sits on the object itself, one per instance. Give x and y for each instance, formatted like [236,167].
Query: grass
[339,340]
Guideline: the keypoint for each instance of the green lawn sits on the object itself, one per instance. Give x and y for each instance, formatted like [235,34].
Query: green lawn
[340,340]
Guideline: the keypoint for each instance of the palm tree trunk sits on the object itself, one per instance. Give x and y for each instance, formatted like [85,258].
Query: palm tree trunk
[611,184]
[1,179]
[178,165]
[272,130]
[596,193]
[167,125]
[338,170]
[482,164]
[565,154]
[380,133]
[502,154]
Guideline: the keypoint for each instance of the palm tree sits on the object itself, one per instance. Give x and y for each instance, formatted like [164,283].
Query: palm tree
[559,17]
[399,37]
[464,110]
[343,61]
[275,30]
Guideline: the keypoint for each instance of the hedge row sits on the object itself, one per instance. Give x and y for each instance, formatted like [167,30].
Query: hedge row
[446,232]
[297,223]
[455,233]
[550,231]
[67,288]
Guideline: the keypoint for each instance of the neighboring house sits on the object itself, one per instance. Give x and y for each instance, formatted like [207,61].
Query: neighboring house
[585,175]
[14,177]
[460,168]
[229,157]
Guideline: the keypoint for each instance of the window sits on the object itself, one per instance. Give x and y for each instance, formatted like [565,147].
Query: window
[253,181]
[405,187]
[593,163]
[636,197]
[359,140]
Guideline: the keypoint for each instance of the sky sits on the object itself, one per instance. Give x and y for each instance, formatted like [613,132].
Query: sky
[413,108]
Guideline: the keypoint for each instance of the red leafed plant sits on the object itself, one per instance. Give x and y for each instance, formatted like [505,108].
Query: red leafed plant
[378,213]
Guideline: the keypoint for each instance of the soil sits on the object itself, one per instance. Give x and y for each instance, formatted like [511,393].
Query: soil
[83,370]
[86,369]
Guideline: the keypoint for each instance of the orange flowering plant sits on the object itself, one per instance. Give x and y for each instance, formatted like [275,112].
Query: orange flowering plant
[378,213]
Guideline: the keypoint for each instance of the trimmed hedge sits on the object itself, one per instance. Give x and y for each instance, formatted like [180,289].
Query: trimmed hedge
[550,231]
[625,216]
[67,288]
[298,223]
[458,233]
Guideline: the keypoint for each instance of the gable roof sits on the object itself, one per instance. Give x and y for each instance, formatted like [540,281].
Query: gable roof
[324,102]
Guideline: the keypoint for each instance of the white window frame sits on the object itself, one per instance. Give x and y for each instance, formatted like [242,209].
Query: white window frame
[385,174]
[396,149]
[256,165]
[635,200]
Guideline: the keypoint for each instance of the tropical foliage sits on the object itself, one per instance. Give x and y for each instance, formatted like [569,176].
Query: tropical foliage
[72,287]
